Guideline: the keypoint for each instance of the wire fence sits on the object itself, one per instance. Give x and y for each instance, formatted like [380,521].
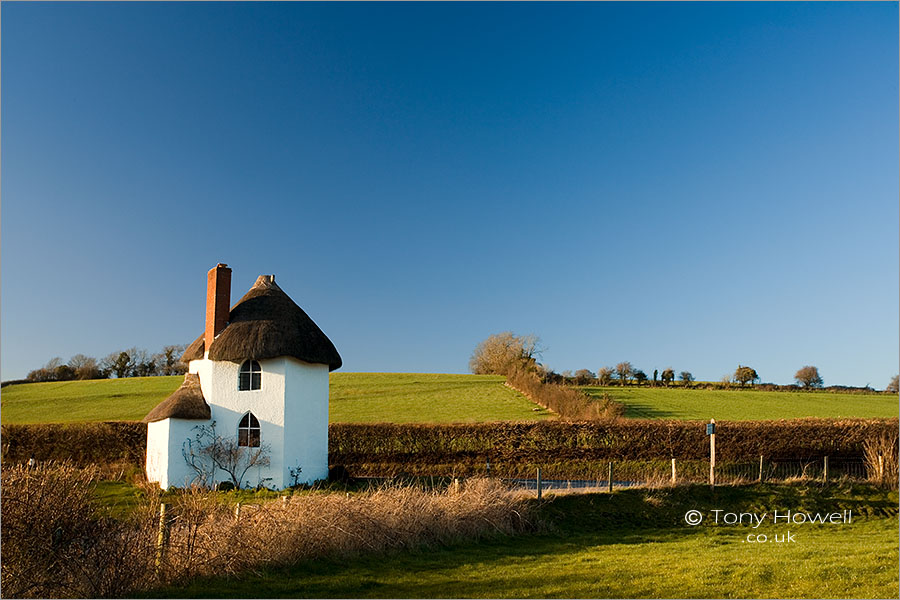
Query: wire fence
[624,474]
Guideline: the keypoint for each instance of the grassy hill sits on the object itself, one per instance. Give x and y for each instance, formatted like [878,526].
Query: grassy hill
[436,398]
[355,398]
[745,405]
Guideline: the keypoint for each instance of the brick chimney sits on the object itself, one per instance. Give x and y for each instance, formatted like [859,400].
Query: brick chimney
[218,301]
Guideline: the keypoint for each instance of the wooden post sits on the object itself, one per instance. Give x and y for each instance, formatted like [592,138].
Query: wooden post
[825,469]
[760,468]
[712,454]
[237,511]
[162,539]
[609,479]
[673,472]
[539,483]
[881,468]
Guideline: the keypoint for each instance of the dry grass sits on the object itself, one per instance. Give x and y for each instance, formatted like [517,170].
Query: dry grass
[881,457]
[208,537]
[57,544]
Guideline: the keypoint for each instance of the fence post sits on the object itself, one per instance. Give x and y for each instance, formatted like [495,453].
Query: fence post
[673,471]
[881,468]
[237,511]
[825,469]
[162,539]
[760,468]
[539,483]
[712,454]
[609,479]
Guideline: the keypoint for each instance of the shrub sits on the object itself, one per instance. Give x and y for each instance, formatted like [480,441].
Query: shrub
[55,544]
[567,402]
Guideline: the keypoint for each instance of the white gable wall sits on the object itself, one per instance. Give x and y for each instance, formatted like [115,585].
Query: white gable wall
[305,420]
[165,462]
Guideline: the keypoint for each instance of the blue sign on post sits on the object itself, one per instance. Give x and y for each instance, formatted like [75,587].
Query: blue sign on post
[710,428]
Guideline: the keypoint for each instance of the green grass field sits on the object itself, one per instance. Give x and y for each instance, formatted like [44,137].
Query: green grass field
[355,398]
[436,398]
[745,405]
[612,546]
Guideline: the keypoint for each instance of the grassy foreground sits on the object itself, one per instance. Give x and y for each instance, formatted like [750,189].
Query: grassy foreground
[631,544]
[745,405]
[355,398]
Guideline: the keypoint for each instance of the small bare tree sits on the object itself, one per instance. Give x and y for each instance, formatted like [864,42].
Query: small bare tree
[605,375]
[686,378]
[668,376]
[809,377]
[584,377]
[624,370]
[502,353]
[207,453]
[894,386]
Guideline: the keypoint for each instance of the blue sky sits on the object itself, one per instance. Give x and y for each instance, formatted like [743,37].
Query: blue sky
[678,185]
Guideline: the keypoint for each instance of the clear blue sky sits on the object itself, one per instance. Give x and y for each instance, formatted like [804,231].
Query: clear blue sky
[684,185]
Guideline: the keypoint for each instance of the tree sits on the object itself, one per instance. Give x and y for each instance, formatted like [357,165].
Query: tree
[809,377]
[744,375]
[501,353]
[655,376]
[49,372]
[605,375]
[168,361]
[119,364]
[639,376]
[208,452]
[624,370]
[686,378]
[583,377]
[668,376]
[86,367]
[894,386]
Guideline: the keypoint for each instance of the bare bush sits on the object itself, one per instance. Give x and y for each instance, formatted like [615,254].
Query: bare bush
[55,545]
[881,457]
[504,352]
[565,401]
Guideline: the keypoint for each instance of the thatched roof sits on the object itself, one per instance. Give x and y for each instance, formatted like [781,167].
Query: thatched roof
[266,323]
[185,403]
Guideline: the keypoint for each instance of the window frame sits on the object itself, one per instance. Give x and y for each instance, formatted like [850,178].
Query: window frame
[249,431]
[252,371]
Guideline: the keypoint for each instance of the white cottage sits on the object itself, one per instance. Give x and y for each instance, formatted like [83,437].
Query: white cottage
[258,373]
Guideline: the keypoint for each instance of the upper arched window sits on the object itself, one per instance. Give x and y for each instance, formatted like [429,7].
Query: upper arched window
[250,377]
[248,431]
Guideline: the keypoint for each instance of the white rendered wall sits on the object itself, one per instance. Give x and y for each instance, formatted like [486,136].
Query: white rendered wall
[292,408]
[158,452]
[305,420]
[165,462]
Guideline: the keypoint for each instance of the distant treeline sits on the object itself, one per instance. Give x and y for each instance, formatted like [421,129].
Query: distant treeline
[505,353]
[134,362]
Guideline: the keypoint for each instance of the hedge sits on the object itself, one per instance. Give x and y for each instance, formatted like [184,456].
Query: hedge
[410,447]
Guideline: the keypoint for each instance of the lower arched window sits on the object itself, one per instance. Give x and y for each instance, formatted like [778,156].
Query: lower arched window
[248,431]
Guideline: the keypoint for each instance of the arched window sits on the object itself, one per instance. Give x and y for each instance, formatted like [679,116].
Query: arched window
[248,431]
[250,376]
